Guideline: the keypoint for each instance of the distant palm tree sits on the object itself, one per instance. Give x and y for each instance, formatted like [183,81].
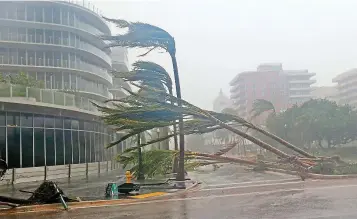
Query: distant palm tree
[261,106]
[142,35]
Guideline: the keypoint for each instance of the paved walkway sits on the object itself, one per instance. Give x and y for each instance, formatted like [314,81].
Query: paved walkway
[91,187]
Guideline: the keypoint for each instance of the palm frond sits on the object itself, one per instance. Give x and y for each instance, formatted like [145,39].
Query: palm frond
[260,106]
[140,35]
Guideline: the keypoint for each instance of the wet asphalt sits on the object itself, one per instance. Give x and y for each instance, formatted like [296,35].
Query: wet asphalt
[233,192]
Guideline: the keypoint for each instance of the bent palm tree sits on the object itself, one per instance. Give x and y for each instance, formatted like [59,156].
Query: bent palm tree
[144,35]
[152,75]
[260,106]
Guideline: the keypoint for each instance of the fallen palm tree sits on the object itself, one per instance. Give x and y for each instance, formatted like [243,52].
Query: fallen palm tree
[136,113]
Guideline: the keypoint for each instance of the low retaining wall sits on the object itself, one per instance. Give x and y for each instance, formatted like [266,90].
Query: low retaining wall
[32,174]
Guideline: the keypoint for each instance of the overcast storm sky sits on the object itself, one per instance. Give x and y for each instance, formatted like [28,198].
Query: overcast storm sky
[215,40]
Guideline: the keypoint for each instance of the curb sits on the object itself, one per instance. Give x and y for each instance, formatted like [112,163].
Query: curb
[313,175]
[85,204]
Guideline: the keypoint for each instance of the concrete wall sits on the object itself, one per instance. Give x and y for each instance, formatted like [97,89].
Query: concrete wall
[32,174]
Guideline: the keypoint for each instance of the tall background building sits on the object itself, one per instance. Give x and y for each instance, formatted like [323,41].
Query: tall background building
[346,84]
[55,42]
[325,92]
[270,82]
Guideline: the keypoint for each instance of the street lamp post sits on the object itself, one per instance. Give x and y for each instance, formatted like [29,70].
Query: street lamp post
[158,136]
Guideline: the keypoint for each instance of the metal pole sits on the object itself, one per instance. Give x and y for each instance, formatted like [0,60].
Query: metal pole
[140,161]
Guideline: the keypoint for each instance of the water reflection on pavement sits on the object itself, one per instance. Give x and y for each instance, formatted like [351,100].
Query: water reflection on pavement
[282,199]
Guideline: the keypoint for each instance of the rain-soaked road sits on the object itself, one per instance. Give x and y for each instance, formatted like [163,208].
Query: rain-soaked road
[228,194]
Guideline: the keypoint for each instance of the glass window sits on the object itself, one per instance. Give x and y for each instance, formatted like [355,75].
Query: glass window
[104,146]
[49,80]
[82,147]
[26,120]
[59,147]
[38,120]
[40,76]
[13,137]
[75,124]
[50,147]
[58,80]
[13,119]
[88,126]
[68,146]
[3,143]
[66,84]
[56,15]
[49,122]
[38,14]
[21,11]
[39,147]
[75,147]
[65,17]
[48,14]
[30,13]
[71,18]
[11,11]
[87,147]
[100,147]
[92,151]
[81,125]
[67,123]
[73,82]
[2,118]
[96,146]
[59,123]
[27,147]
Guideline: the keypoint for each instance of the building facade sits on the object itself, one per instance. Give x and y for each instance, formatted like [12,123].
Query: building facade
[346,84]
[270,82]
[55,42]
[325,92]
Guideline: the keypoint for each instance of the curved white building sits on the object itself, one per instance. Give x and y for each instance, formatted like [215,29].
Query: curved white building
[55,42]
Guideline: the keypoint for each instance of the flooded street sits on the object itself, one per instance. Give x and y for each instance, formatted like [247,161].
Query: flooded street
[226,193]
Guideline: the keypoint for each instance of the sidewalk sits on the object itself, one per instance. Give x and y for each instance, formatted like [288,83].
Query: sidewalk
[91,188]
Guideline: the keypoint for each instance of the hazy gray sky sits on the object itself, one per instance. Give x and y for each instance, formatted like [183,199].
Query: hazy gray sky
[217,39]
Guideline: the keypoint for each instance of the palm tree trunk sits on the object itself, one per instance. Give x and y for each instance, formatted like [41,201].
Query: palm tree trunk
[255,140]
[222,158]
[181,161]
[140,159]
[283,142]
[175,165]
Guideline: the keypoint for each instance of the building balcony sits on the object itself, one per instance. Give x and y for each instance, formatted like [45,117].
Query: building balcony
[58,44]
[298,73]
[345,85]
[82,68]
[300,88]
[85,34]
[53,98]
[90,9]
[235,88]
[300,96]
[235,96]
[307,81]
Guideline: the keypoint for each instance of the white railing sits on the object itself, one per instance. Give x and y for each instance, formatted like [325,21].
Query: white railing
[47,96]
